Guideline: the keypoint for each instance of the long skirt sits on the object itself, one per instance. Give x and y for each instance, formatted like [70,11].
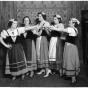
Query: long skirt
[55,53]
[42,52]
[71,65]
[15,61]
[30,53]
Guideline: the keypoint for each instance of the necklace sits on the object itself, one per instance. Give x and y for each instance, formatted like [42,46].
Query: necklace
[13,33]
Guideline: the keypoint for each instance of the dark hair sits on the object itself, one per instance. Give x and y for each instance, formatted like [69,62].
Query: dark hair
[43,15]
[59,19]
[10,23]
[76,24]
[23,20]
[52,23]
[37,21]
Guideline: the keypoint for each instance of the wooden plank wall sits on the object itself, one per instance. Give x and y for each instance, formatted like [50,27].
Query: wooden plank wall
[18,9]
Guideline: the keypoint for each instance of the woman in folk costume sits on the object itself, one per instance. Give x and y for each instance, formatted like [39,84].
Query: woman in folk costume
[55,47]
[71,65]
[29,47]
[15,58]
[42,45]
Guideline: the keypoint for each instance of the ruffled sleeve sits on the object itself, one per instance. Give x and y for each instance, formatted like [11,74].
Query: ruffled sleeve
[4,34]
[69,30]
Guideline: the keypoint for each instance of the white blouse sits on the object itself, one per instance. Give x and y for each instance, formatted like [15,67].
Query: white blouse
[4,34]
[72,31]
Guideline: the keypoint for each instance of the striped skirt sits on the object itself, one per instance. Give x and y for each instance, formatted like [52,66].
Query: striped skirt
[71,64]
[15,61]
[42,52]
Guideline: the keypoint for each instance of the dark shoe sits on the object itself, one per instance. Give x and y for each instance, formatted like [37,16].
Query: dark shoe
[27,74]
[73,84]
[61,75]
[13,79]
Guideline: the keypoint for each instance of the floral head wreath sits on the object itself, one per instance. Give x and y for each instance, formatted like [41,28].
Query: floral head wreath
[43,13]
[12,20]
[58,16]
[75,20]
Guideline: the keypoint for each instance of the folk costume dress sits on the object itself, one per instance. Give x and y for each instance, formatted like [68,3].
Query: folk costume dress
[55,50]
[29,49]
[15,58]
[42,49]
[71,65]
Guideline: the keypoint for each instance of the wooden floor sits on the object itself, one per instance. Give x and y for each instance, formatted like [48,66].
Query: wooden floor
[40,81]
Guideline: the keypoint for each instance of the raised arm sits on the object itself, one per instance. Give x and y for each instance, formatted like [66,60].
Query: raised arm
[59,29]
[30,27]
[66,30]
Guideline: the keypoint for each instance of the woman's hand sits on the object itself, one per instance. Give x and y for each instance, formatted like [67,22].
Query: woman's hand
[25,34]
[52,28]
[36,27]
[9,46]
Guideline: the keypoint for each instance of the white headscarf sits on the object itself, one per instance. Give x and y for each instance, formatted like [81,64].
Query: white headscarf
[58,16]
[43,13]
[75,20]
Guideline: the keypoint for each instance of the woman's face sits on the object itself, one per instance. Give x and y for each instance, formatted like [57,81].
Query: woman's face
[40,17]
[26,21]
[71,23]
[56,21]
[14,24]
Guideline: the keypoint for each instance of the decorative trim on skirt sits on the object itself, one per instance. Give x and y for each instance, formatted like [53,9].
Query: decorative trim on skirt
[43,60]
[30,52]
[71,64]
[15,61]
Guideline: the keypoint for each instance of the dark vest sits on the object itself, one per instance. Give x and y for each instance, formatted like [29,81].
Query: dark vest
[71,39]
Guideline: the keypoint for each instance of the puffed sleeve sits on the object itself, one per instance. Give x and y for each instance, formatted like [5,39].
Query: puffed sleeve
[21,30]
[72,32]
[69,30]
[4,34]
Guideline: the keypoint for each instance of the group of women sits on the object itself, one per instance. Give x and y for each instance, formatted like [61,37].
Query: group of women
[41,46]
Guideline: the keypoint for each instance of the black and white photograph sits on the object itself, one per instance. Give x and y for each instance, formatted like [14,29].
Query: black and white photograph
[44,43]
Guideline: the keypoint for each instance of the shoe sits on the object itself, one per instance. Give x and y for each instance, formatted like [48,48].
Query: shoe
[13,79]
[27,74]
[42,71]
[48,73]
[72,84]
[31,73]
[22,77]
